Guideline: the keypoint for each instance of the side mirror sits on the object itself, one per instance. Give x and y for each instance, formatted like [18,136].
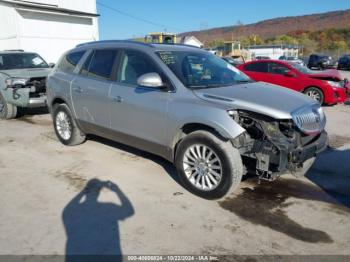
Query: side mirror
[52,65]
[152,80]
[289,74]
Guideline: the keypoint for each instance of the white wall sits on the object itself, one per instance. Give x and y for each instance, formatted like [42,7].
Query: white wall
[50,35]
[88,6]
[8,27]
[273,53]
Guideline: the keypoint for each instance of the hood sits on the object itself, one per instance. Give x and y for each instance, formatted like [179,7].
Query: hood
[27,73]
[330,75]
[271,100]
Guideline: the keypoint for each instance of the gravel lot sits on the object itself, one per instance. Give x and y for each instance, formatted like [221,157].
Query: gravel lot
[55,200]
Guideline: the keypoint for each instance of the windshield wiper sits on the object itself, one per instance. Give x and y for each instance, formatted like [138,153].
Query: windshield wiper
[243,81]
[209,86]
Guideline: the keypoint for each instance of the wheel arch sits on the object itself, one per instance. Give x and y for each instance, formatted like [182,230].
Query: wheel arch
[324,93]
[190,127]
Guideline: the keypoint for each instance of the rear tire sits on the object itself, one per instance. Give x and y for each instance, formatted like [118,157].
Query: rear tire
[315,93]
[7,111]
[66,128]
[208,166]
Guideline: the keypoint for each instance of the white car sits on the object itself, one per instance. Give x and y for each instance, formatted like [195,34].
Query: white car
[292,59]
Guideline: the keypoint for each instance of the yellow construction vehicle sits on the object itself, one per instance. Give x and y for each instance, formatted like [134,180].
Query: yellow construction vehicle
[161,38]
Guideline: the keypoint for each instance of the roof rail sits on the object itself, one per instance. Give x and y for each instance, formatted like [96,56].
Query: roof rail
[114,41]
[14,50]
[178,44]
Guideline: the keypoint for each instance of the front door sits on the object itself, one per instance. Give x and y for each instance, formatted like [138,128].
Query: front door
[281,75]
[139,114]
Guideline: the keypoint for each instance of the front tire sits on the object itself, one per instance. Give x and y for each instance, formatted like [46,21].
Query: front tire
[7,111]
[66,129]
[315,93]
[208,166]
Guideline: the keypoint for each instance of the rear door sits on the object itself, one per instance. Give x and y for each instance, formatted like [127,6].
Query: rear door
[90,89]
[257,71]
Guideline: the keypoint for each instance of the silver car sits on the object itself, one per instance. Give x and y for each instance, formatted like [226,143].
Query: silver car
[22,81]
[188,106]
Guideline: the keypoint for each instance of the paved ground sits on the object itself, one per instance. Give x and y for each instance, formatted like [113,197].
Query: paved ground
[55,199]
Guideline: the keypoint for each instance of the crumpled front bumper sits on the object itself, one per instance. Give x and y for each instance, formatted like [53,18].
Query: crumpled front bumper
[22,98]
[288,156]
[300,155]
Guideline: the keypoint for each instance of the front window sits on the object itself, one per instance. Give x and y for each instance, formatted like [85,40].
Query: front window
[21,61]
[133,65]
[202,70]
[301,68]
[278,69]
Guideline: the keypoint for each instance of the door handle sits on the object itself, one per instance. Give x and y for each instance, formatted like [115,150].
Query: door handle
[78,89]
[117,99]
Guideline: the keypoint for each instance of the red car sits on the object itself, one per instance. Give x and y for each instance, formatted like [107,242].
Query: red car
[327,87]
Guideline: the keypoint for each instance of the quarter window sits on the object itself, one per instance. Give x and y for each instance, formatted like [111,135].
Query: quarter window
[70,61]
[133,65]
[260,67]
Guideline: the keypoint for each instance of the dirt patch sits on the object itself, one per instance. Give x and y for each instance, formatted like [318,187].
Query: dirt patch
[74,179]
[6,140]
[264,205]
[50,136]
[336,141]
[35,120]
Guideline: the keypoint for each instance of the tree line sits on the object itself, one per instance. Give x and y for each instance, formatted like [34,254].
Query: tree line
[334,42]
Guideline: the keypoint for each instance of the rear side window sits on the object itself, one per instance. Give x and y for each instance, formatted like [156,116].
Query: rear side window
[100,64]
[256,67]
[70,61]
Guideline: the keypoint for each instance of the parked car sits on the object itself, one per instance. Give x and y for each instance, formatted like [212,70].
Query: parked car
[321,62]
[188,106]
[344,63]
[234,60]
[327,87]
[262,58]
[292,59]
[22,82]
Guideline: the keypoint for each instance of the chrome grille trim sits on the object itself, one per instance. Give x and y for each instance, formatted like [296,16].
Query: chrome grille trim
[310,120]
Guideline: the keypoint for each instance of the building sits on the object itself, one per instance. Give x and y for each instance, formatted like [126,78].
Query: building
[48,27]
[274,51]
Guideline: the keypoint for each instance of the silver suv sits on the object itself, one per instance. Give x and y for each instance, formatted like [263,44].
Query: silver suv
[22,81]
[188,106]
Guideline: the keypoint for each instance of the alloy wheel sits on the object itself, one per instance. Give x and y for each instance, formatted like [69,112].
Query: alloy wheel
[314,94]
[2,105]
[202,167]
[63,125]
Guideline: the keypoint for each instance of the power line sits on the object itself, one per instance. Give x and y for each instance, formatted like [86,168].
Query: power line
[138,18]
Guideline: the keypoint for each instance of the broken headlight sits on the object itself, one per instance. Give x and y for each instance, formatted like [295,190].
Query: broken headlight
[16,81]
[335,84]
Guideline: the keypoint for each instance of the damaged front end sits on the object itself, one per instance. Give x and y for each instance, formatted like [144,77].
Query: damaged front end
[24,92]
[272,148]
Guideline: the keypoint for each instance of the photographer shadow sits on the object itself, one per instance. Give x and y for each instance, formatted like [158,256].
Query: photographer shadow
[92,227]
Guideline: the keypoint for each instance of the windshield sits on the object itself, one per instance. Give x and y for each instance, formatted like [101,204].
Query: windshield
[21,61]
[301,68]
[202,70]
